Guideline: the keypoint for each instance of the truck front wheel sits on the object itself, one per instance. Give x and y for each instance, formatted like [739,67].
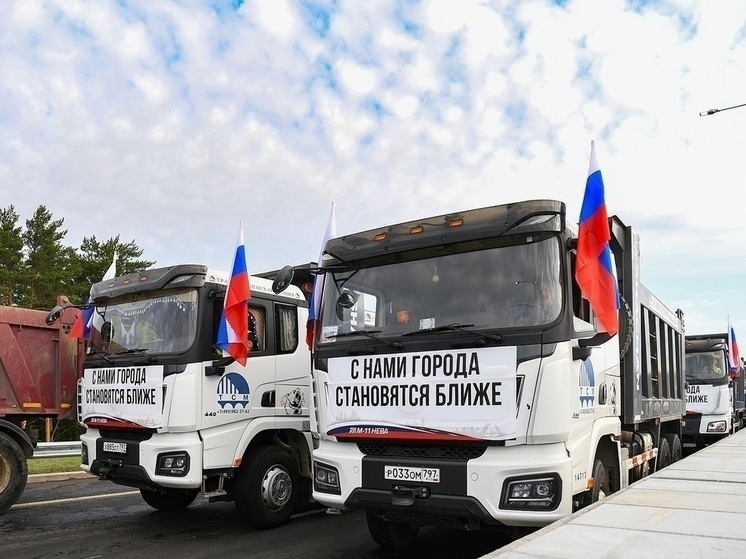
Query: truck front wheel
[390,535]
[600,482]
[266,488]
[170,499]
[13,471]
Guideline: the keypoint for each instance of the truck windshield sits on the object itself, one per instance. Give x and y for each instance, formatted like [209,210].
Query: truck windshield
[153,321]
[707,367]
[497,287]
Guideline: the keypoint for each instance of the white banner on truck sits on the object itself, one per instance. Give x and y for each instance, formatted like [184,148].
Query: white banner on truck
[469,393]
[131,395]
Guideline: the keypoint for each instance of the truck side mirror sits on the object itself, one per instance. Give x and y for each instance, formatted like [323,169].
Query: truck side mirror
[346,300]
[54,315]
[580,352]
[598,339]
[218,366]
[107,331]
[283,279]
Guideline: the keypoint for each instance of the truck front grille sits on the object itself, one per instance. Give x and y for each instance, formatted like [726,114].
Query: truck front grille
[452,452]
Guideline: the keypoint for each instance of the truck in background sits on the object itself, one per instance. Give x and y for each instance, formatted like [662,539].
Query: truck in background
[715,406]
[166,413]
[460,380]
[39,369]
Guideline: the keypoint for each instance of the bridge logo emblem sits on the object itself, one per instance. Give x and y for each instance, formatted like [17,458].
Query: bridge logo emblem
[234,390]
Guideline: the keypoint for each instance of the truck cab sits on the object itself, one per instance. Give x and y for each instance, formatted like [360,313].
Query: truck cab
[714,393]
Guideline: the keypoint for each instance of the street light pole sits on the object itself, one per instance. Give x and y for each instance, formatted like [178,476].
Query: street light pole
[713,111]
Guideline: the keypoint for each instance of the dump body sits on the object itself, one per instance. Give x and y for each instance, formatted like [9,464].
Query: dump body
[653,371]
[39,365]
[39,369]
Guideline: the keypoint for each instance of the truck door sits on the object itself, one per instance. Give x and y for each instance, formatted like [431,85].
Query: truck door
[240,392]
[293,361]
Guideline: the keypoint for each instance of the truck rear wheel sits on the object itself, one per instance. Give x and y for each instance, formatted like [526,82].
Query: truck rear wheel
[266,488]
[664,455]
[13,471]
[677,450]
[390,535]
[171,499]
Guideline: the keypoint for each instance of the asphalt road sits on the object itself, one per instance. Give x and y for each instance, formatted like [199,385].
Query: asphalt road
[92,519]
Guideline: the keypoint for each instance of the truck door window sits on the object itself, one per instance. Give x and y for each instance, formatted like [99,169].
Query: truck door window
[257,328]
[287,328]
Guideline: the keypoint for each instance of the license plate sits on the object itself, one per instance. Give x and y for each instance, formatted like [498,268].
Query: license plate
[120,448]
[406,473]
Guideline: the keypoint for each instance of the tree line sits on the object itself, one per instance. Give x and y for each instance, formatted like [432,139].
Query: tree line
[36,265]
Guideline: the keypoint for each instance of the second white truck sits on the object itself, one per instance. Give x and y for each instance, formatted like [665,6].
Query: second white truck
[460,379]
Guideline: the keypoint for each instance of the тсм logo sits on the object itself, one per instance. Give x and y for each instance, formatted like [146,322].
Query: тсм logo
[233,389]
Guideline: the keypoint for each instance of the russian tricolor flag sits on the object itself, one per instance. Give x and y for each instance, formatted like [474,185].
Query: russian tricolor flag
[313,306]
[734,356]
[83,324]
[233,330]
[593,270]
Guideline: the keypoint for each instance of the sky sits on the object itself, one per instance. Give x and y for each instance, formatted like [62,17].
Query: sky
[171,122]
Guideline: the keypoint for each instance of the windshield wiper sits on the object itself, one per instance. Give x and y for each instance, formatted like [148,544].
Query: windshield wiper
[138,351]
[101,354]
[369,334]
[456,327]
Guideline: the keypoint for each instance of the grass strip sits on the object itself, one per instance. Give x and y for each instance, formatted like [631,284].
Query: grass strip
[54,465]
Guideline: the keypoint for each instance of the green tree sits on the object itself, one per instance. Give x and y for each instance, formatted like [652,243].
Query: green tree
[94,258]
[47,260]
[11,256]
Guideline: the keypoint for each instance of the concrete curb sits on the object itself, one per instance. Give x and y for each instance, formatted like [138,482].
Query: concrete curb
[59,476]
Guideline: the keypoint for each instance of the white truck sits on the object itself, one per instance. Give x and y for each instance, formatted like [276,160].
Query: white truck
[165,412]
[459,380]
[714,395]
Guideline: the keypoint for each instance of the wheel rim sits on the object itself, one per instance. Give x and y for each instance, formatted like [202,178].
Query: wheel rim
[277,488]
[4,473]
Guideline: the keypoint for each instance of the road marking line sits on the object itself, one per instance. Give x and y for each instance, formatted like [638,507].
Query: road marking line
[67,500]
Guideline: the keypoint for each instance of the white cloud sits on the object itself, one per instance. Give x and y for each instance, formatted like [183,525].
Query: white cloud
[168,123]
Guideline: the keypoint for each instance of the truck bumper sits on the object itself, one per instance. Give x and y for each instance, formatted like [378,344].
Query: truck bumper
[126,460]
[706,426]
[470,490]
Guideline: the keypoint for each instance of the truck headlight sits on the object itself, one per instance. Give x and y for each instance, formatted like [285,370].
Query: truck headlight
[326,479]
[717,426]
[172,464]
[536,493]
[84,453]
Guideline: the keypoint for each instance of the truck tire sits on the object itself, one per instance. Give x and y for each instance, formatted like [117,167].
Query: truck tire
[170,499]
[626,326]
[13,471]
[600,487]
[677,450]
[390,535]
[266,488]
[664,455]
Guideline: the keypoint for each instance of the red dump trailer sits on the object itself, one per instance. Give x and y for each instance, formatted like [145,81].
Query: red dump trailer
[39,368]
